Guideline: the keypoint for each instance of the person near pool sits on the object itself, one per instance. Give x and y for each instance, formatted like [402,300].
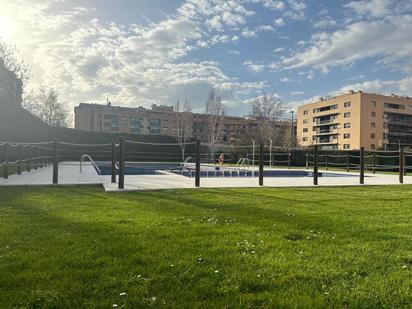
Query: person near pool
[221,159]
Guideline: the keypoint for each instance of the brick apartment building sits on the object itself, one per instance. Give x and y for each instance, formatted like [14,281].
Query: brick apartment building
[161,120]
[356,119]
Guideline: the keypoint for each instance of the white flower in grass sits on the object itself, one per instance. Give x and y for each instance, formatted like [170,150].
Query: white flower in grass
[123,294]
[404,266]
[216,271]
[115,306]
[172,265]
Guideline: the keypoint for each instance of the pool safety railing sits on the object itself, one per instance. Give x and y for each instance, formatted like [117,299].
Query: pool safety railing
[16,158]
[83,159]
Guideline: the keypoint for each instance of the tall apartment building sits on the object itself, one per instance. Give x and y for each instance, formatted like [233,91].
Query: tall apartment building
[161,120]
[354,120]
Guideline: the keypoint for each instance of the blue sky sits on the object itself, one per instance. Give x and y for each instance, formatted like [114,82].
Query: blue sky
[157,51]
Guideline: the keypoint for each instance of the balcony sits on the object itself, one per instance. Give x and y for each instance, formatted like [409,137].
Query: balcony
[328,122]
[326,132]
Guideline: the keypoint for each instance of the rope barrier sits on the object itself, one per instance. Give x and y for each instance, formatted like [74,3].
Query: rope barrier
[379,156]
[84,145]
[159,144]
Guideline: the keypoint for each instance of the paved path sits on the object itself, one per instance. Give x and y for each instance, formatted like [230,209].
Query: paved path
[69,174]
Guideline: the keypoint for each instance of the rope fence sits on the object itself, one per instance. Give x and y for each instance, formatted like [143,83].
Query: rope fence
[16,158]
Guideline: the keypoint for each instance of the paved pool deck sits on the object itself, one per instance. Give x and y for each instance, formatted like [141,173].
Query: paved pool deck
[69,174]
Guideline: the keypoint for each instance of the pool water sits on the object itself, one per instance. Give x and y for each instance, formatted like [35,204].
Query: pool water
[156,168]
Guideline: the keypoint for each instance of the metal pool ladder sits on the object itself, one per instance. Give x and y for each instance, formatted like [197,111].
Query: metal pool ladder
[86,156]
[185,162]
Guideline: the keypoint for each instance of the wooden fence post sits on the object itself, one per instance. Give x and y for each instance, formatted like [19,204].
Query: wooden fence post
[55,162]
[347,161]
[362,166]
[113,162]
[6,161]
[401,164]
[197,172]
[261,161]
[315,165]
[19,159]
[121,163]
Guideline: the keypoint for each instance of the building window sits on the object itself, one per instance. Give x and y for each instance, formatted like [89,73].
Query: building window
[373,103]
[346,125]
[393,106]
[305,139]
[410,108]
[347,104]
[373,114]
[325,108]
[346,115]
[305,121]
[372,135]
[346,146]
[305,112]
[373,125]
[372,146]
[346,135]
[305,129]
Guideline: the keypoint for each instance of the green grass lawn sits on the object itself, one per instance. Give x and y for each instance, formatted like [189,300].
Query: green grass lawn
[321,247]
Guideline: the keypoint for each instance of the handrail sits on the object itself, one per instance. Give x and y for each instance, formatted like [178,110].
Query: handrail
[86,156]
[243,161]
[185,162]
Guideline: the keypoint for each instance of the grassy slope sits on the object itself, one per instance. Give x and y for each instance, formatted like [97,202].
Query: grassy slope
[71,247]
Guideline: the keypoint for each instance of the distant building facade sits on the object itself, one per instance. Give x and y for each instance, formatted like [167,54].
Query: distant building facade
[161,120]
[354,120]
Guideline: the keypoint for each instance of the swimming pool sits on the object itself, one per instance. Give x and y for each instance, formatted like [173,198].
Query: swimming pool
[206,170]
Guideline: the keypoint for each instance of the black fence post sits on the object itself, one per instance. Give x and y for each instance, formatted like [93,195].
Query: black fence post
[307,161]
[113,162]
[347,161]
[362,166]
[121,163]
[326,161]
[19,159]
[197,171]
[6,161]
[374,163]
[401,164]
[55,162]
[34,153]
[261,161]
[28,157]
[289,159]
[315,165]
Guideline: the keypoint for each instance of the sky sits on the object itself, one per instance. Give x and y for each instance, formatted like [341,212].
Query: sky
[144,52]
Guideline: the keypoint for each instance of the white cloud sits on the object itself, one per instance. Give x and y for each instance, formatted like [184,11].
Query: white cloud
[399,87]
[274,5]
[375,8]
[286,80]
[247,33]
[279,22]
[390,39]
[88,59]
[254,67]
[297,92]
[324,23]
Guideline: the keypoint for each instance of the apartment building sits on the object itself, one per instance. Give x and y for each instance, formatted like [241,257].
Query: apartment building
[161,120]
[354,120]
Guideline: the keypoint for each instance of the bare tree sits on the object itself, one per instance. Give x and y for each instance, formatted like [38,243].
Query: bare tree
[265,109]
[46,104]
[9,56]
[215,114]
[184,124]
